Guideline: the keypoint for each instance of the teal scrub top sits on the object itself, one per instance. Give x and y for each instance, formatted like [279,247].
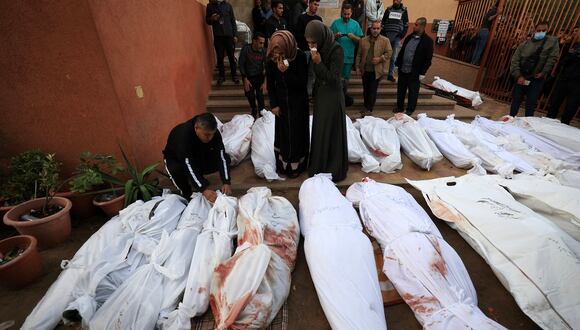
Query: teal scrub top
[348,45]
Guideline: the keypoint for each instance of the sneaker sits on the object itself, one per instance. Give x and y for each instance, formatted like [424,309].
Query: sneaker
[220,81]
[391,79]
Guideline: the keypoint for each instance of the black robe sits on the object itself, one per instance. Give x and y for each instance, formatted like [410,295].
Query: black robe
[288,91]
[329,153]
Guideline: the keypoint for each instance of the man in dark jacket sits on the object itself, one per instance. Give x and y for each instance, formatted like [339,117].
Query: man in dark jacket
[195,148]
[532,62]
[252,59]
[413,61]
[567,86]
[394,26]
[276,21]
[260,13]
[220,15]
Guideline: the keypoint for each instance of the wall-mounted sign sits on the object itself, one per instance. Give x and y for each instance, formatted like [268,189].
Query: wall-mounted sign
[329,3]
[442,27]
[435,25]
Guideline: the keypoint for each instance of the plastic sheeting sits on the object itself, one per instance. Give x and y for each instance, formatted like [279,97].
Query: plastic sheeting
[358,151]
[425,270]
[450,87]
[340,257]
[237,136]
[552,129]
[143,227]
[540,143]
[214,245]
[415,142]
[381,138]
[534,259]
[449,145]
[263,155]
[48,311]
[249,289]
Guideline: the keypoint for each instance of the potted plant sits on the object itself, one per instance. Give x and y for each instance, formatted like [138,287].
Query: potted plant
[88,178]
[20,263]
[138,186]
[46,218]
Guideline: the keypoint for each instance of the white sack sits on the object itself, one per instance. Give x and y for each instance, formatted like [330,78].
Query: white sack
[425,270]
[250,288]
[415,142]
[263,156]
[129,250]
[552,129]
[358,151]
[546,197]
[237,136]
[449,145]
[538,142]
[536,262]
[214,245]
[452,88]
[569,178]
[340,257]
[382,140]
[48,311]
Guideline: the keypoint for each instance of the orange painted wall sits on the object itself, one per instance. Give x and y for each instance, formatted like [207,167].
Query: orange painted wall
[69,69]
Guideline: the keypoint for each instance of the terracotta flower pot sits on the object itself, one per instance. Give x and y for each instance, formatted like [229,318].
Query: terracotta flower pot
[112,207]
[82,204]
[49,231]
[24,269]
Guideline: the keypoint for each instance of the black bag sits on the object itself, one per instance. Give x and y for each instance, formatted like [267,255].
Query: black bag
[528,65]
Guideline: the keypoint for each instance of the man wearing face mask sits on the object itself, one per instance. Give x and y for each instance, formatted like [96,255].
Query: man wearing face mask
[530,65]
[568,84]
[395,24]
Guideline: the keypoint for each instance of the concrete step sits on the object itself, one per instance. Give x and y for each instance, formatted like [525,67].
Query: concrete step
[355,91]
[434,103]
[353,82]
[461,113]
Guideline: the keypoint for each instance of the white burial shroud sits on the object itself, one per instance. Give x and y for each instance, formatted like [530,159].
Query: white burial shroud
[128,251]
[540,143]
[559,203]
[250,288]
[415,142]
[263,156]
[552,129]
[358,151]
[237,137]
[449,145]
[137,303]
[48,311]
[214,245]
[425,270]
[535,260]
[340,257]
[452,88]
[382,140]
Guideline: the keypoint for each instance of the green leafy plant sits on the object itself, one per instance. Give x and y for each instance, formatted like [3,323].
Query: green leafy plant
[139,186]
[49,182]
[22,183]
[95,170]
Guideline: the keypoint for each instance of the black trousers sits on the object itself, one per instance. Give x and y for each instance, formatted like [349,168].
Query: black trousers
[370,87]
[407,81]
[255,93]
[225,45]
[565,90]
[532,92]
[179,174]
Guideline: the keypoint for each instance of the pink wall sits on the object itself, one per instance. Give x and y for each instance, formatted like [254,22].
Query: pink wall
[69,69]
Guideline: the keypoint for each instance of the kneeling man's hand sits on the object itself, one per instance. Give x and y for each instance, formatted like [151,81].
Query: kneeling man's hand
[227,189]
[210,195]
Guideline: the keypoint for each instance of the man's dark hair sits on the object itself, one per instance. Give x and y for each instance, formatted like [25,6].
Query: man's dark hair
[206,122]
[309,1]
[422,21]
[346,5]
[275,3]
[258,35]
[543,22]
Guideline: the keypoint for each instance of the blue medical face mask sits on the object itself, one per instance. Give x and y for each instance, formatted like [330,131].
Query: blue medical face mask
[539,35]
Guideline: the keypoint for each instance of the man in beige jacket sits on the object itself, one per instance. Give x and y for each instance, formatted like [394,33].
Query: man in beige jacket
[372,62]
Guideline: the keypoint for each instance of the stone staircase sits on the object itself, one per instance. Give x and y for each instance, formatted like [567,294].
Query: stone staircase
[228,100]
